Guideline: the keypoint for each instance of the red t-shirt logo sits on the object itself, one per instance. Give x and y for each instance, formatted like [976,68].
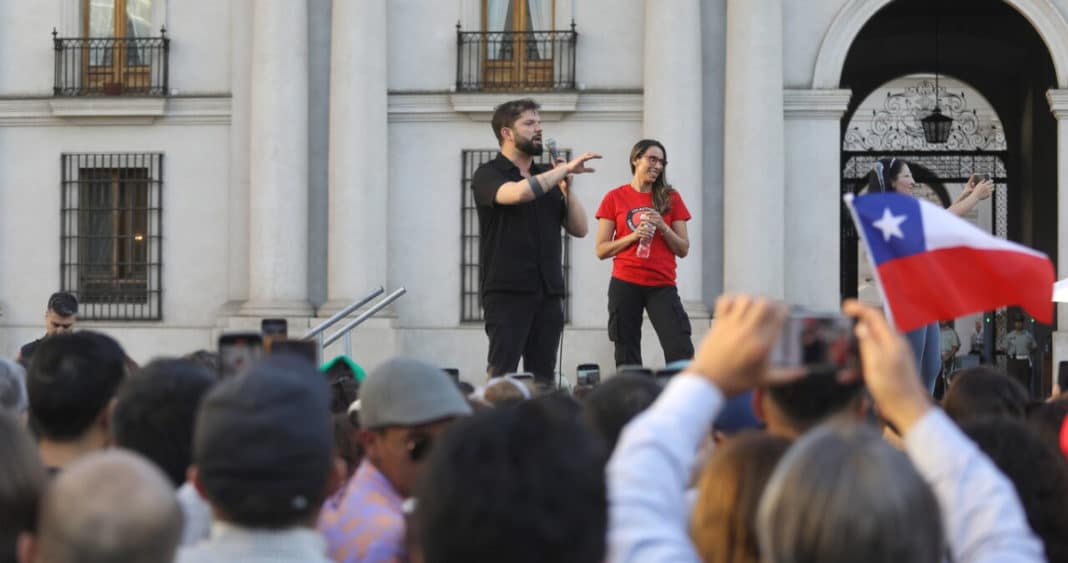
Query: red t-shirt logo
[636,216]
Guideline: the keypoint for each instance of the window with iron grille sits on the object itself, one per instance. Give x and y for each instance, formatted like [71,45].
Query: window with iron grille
[117,52]
[518,48]
[110,239]
[470,296]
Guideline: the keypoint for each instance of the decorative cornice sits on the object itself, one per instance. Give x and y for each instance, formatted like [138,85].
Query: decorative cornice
[815,104]
[420,107]
[1058,102]
[107,107]
[215,110]
[61,112]
[406,107]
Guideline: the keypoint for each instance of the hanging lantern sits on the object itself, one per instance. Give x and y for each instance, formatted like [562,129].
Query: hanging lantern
[936,127]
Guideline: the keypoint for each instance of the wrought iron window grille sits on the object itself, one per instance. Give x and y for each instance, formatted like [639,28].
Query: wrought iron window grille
[897,125]
[515,60]
[111,66]
[470,294]
[111,234]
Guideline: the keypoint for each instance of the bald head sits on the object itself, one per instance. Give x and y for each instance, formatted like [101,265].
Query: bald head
[108,506]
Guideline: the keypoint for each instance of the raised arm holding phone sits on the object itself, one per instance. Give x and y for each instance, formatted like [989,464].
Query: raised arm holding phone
[978,188]
[980,516]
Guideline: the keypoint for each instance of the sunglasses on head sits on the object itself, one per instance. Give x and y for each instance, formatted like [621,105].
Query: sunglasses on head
[419,447]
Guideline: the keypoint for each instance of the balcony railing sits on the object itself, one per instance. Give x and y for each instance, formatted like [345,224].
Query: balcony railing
[111,66]
[515,60]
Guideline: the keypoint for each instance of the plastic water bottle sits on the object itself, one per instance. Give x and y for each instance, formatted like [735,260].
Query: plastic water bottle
[643,246]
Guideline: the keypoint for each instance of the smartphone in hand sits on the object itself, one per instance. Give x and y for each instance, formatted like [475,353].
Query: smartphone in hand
[820,344]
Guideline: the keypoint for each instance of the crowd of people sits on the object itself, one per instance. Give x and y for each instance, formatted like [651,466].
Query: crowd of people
[725,456]
[108,461]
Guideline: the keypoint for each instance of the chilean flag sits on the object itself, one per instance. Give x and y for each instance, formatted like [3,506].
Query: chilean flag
[933,265]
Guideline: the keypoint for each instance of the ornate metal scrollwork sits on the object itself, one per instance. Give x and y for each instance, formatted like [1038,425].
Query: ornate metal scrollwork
[896,126]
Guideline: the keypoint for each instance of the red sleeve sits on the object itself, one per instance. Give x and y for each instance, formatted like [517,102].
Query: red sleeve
[679,212]
[607,209]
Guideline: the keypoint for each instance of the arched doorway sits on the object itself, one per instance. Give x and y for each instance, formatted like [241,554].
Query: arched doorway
[885,125]
[1009,51]
[1047,20]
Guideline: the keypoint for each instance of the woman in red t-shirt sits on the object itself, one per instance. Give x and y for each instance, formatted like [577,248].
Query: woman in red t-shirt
[642,225]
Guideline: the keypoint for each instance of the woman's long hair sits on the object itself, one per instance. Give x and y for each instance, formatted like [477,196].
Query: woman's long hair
[883,173]
[723,523]
[661,189]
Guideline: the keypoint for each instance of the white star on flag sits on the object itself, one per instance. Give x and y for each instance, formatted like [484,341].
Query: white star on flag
[890,225]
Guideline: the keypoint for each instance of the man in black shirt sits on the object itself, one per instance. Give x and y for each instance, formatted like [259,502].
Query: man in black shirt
[60,315]
[521,208]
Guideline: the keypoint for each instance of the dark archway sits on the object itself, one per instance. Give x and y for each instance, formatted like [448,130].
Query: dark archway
[988,44]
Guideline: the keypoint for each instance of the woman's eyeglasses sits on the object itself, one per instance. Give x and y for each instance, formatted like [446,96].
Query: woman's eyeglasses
[653,161]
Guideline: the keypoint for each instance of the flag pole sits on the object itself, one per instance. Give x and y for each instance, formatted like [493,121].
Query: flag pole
[848,199]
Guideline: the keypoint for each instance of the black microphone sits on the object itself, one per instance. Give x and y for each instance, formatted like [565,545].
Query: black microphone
[554,153]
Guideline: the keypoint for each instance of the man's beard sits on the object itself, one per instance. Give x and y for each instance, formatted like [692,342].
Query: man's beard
[528,146]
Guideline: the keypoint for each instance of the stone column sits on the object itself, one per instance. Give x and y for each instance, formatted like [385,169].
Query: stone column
[278,160]
[813,151]
[754,196]
[1058,104]
[359,161]
[238,194]
[671,110]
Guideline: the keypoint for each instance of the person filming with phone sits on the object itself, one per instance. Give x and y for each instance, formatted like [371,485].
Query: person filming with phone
[642,227]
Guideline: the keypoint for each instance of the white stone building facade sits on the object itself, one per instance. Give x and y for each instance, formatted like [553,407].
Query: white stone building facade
[312,150]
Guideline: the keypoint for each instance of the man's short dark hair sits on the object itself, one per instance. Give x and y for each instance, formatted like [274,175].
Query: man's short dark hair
[528,480]
[63,304]
[506,114]
[71,380]
[984,391]
[611,405]
[155,411]
[811,399]
[1037,471]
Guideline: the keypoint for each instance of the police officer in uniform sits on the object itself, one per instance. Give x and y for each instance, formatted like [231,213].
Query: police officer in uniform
[1018,346]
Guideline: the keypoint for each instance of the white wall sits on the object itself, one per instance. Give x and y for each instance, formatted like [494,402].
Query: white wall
[804,26]
[27,59]
[422,44]
[610,44]
[200,46]
[195,176]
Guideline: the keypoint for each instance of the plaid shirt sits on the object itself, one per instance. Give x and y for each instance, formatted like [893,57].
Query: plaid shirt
[364,523]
